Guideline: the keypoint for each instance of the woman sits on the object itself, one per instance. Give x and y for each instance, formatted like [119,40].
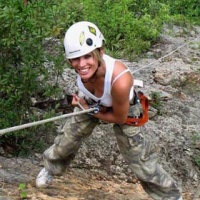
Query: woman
[106,84]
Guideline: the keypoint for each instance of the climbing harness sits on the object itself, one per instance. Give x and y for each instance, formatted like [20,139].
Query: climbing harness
[96,107]
[143,100]
[143,117]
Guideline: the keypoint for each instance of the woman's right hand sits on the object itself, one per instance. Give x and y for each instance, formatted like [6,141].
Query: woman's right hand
[79,102]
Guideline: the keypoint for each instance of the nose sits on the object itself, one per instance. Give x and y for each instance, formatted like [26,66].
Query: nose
[82,62]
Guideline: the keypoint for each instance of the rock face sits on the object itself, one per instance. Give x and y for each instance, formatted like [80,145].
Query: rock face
[176,128]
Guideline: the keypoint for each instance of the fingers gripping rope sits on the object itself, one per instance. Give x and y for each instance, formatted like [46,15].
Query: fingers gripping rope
[96,107]
[91,110]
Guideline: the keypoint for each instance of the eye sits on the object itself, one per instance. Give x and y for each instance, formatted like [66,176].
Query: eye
[74,59]
[87,56]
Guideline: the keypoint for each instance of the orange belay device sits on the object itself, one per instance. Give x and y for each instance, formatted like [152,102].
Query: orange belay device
[144,117]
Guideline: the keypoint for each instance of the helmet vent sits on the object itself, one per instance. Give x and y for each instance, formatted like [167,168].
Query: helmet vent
[89,42]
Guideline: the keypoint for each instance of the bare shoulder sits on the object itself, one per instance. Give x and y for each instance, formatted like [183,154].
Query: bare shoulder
[118,69]
[121,83]
[119,66]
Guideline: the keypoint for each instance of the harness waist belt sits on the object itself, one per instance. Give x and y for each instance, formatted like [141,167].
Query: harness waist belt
[144,117]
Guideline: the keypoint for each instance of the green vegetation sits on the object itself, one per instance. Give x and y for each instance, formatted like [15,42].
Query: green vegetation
[156,101]
[196,143]
[197,160]
[22,189]
[28,30]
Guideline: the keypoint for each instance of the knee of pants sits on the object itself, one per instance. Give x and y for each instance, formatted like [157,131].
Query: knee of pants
[65,145]
[56,159]
[139,153]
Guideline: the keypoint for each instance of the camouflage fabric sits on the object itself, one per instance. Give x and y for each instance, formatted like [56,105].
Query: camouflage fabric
[138,152]
[141,156]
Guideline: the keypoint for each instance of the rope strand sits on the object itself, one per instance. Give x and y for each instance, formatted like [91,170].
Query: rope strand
[146,66]
[19,127]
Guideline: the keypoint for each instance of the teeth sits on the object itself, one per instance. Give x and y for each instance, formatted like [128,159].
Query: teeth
[84,71]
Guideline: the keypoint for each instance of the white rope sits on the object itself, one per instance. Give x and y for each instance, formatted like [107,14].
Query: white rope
[146,66]
[19,127]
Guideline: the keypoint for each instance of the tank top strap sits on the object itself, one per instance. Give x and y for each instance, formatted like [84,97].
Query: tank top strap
[120,74]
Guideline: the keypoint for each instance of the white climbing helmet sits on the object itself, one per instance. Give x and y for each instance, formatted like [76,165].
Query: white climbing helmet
[82,38]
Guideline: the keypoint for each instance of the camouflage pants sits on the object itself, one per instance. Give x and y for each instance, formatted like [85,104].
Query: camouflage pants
[139,153]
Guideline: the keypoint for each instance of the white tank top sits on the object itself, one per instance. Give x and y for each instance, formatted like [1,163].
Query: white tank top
[106,98]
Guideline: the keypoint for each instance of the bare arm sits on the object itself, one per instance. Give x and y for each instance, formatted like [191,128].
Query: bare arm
[120,96]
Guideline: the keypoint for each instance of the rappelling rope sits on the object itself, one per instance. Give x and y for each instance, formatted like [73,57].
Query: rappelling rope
[19,127]
[170,53]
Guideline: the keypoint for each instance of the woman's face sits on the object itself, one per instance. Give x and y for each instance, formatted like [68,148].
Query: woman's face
[85,65]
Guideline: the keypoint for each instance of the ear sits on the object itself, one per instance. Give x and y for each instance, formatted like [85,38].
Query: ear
[101,51]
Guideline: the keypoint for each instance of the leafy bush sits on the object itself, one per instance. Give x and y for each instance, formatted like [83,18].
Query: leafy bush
[23,56]
[125,28]
[28,62]
[188,8]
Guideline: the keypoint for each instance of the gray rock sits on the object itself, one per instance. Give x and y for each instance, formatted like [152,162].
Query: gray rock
[11,177]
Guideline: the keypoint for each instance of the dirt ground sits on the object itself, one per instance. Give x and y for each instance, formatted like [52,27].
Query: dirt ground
[75,184]
[177,131]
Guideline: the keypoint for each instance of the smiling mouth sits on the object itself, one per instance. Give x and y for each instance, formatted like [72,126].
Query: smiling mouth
[83,71]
